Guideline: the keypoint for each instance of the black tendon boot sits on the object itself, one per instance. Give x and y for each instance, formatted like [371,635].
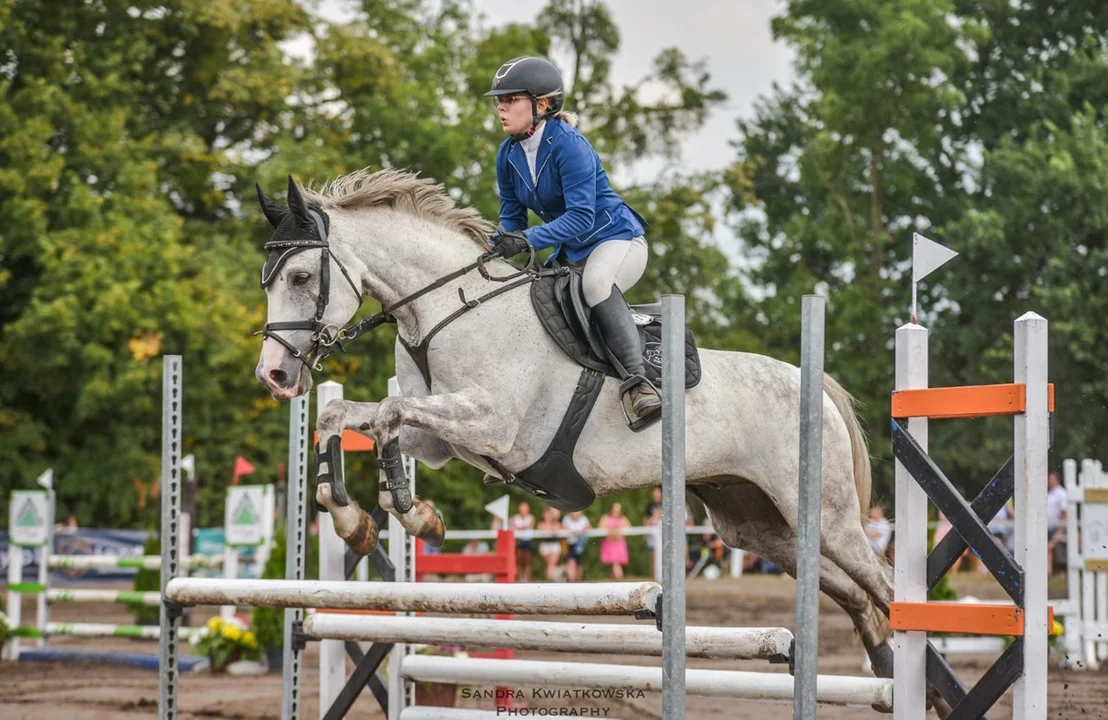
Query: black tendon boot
[621,335]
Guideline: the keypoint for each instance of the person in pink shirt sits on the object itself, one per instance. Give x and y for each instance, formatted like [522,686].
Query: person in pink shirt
[613,551]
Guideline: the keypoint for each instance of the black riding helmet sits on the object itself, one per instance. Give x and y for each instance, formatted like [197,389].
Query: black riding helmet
[534,77]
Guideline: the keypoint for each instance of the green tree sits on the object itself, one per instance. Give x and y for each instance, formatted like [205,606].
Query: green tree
[975,123]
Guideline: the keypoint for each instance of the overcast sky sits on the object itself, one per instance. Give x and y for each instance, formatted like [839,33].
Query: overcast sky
[732,35]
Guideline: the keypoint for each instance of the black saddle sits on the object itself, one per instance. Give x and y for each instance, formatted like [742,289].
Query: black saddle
[560,304]
[559,301]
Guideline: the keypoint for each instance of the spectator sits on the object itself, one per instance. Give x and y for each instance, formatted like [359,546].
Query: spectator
[67,525]
[1056,506]
[878,530]
[478,547]
[551,548]
[940,532]
[578,526]
[1000,526]
[613,551]
[523,525]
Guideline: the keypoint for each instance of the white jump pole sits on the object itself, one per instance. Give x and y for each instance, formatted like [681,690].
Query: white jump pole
[1032,446]
[332,558]
[402,556]
[614,598]
[624,639]
[910,572]
[763,687]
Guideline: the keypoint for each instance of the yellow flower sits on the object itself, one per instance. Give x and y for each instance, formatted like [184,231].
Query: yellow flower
[1057,628]
[231,632]
[250,640]
[214,623]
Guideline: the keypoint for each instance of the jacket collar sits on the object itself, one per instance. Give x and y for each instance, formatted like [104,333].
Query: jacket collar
[553,129]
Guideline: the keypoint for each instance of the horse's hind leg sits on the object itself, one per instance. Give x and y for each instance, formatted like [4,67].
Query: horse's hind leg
[745,517]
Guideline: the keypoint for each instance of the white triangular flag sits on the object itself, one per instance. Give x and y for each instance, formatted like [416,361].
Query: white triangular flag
[928,256]
[188,464]
[499,508]
[46,480]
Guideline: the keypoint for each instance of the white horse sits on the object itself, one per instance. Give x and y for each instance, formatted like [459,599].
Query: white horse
[500,385]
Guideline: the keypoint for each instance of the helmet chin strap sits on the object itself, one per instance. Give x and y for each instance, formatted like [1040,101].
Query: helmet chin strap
[535,120]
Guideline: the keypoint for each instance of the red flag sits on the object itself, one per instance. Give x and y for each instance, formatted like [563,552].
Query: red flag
[242,467]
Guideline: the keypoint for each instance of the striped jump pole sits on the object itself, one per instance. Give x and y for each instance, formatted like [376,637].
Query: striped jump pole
[700,642]
[765,687]
[142,562]
[616,598]
[113,596]
[100,630]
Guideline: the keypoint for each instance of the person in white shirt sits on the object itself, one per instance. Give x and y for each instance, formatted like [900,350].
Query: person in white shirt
[523,525]
[1056,506]
[878,530]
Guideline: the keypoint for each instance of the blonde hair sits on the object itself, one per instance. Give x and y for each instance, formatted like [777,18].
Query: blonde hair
[569,118]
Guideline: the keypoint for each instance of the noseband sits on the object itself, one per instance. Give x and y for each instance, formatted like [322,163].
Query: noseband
[326,339]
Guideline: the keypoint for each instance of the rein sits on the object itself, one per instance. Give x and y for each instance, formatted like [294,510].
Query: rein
[325,343]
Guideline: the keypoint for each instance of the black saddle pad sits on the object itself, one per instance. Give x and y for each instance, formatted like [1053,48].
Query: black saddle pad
[560,307]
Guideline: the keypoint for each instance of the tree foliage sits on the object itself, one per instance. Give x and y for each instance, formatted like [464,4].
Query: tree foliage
[978,124]
[131,137]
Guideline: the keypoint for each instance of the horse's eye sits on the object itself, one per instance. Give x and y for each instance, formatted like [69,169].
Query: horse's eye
[301,278]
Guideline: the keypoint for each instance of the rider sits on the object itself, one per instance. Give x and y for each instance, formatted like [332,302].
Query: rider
[547,166]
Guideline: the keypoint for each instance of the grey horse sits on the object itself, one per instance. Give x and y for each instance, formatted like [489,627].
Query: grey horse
[499,386]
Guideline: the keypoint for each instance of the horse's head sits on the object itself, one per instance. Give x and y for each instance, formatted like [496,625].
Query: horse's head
[311,295]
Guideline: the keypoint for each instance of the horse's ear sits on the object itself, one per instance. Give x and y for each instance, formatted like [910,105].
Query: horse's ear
[296,201]
[273,213]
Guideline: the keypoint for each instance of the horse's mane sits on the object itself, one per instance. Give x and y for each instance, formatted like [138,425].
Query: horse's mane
[403,191]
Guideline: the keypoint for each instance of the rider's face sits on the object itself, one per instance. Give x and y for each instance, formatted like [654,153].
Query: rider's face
[514,112]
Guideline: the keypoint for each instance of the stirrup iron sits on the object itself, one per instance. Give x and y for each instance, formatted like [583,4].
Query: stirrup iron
[624,400]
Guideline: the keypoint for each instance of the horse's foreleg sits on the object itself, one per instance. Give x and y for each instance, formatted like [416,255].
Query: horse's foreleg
[468,419]
[353,524]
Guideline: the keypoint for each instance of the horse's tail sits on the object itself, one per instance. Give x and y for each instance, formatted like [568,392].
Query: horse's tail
[859,448]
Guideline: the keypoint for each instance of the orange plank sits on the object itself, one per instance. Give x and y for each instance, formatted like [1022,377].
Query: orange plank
[964,402]
[965,618]
[352,442]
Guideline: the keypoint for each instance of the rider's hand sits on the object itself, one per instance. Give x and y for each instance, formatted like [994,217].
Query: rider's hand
[509,244]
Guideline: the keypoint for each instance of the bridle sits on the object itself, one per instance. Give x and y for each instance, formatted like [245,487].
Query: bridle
[326,338]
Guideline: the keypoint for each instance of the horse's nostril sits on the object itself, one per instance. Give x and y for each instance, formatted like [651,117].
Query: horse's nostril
[279,377]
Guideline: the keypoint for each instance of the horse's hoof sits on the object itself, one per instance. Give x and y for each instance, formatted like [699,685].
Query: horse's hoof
[883,661]
[435,535]
[363,541]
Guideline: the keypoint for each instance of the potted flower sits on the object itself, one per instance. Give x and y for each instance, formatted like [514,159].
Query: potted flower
[225,642]
[437,694]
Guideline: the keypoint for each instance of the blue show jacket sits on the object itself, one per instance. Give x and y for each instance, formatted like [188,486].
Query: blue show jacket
[574,199]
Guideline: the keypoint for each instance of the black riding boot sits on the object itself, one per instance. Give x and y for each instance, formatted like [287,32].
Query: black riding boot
[613,318]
